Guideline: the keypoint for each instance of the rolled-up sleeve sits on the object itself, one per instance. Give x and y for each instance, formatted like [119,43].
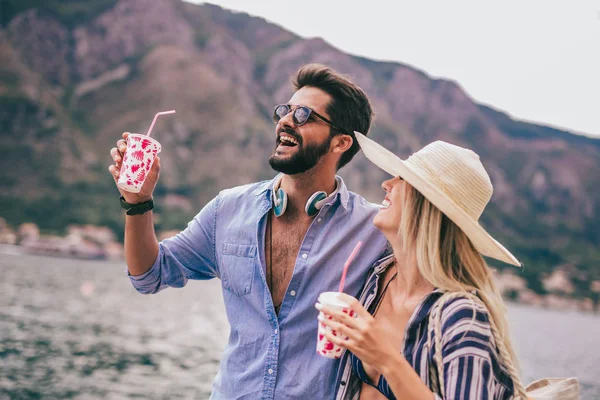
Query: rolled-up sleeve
[467,351]
[469,377]
[188,255]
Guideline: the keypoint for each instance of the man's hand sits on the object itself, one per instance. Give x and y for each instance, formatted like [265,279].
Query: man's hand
[151,180]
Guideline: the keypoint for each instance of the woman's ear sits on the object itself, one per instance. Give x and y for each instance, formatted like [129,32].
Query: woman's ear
[341,143]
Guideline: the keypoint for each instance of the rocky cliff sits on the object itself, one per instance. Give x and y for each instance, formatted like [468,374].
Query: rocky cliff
[75,74]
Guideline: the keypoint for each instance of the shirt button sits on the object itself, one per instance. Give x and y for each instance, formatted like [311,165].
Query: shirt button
[319,219]
[275,331]
[293,292]
[270,371]
[305,256]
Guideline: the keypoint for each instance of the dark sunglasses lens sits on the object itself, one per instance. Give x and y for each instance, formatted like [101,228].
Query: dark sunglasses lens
[301,115]
[280,112]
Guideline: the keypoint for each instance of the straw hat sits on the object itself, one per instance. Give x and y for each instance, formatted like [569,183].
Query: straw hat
[453,179]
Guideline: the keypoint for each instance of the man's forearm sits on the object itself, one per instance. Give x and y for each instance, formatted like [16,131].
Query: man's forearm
[141,246]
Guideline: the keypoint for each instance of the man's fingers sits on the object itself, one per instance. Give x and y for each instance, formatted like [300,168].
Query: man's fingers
[155,169]
[122,146]
[114,171]
[116,155]
[122,143]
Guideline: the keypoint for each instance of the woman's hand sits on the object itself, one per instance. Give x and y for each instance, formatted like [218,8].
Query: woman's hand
[366,338]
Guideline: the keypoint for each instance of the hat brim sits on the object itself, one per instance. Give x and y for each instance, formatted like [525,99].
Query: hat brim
[395,166]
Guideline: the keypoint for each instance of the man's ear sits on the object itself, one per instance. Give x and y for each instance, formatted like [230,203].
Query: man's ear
[341,143]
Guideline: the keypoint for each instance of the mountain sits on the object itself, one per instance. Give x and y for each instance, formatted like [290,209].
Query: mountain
[75,74]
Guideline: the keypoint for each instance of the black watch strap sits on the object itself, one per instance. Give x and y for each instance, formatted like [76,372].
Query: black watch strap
[136,209]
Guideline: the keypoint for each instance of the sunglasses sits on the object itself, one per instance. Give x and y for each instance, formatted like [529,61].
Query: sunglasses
[301,115]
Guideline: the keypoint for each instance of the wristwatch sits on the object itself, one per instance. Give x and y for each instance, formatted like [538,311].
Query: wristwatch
[136,209]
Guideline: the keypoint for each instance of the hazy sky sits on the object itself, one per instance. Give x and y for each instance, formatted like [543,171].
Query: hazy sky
[538,60]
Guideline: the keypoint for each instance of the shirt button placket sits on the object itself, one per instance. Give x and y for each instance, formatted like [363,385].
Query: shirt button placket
[273,363]
[271,373]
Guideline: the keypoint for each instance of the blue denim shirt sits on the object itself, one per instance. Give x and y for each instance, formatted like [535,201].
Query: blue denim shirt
[269,356]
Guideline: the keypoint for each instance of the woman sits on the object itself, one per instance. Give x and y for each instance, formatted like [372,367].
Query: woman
[429,216]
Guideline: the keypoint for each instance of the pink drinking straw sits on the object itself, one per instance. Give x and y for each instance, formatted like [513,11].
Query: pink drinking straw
[156,117]
[348,261]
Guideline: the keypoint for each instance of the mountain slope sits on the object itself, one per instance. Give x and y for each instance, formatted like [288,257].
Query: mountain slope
[73,78]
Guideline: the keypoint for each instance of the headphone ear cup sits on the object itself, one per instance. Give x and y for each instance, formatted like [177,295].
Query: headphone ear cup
[279,203]
[312,205]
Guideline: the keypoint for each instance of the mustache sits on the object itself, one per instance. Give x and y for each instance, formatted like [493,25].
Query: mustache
[290,132]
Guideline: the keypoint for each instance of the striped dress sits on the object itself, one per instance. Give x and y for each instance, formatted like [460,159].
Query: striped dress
[471,368]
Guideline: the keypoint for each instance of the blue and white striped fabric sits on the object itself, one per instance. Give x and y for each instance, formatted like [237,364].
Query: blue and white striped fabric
[471,367]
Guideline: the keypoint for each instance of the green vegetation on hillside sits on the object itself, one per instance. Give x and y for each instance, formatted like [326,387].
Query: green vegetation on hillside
[526,130]
[70,12]
[54,140]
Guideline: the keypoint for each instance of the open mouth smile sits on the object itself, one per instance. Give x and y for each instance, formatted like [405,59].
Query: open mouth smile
[286,140]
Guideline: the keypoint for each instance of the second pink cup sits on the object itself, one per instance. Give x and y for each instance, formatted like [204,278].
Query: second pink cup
[324,346]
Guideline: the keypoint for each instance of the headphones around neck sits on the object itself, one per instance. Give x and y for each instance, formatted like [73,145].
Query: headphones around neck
[313,204]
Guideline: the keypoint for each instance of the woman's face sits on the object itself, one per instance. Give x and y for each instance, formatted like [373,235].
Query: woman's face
[388,218]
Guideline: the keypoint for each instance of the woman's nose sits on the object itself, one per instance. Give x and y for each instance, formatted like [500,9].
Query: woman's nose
[386,185]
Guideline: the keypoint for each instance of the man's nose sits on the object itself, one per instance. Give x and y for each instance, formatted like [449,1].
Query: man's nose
[288,120]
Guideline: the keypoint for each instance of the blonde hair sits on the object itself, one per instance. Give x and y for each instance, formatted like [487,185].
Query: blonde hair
[447,259]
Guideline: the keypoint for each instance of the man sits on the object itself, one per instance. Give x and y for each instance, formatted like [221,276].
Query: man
[275,245]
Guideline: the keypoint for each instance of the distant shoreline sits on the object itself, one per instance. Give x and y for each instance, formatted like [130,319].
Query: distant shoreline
[12,249]
[16,250]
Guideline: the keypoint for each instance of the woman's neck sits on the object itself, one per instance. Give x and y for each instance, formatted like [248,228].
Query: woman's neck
[409,281]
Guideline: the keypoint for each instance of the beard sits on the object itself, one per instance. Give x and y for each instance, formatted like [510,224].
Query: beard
[304,159]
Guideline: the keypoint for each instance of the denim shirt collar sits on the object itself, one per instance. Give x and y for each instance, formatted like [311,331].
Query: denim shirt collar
[343,194]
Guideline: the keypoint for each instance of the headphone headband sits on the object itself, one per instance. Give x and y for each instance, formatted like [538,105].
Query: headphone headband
[313,204]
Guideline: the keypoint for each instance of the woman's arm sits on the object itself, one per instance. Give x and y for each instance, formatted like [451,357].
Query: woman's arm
[402,378]
[369,342]
[468,353]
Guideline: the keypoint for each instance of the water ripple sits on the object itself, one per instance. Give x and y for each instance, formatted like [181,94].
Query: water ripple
[77,329]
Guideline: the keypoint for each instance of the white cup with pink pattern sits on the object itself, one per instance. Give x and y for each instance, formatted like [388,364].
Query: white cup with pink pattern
[324,346]
[137,161]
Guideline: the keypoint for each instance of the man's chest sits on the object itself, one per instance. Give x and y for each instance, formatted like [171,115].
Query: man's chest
[285,243]
[282,247]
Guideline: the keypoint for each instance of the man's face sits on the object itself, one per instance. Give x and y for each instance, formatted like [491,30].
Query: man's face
[300,148]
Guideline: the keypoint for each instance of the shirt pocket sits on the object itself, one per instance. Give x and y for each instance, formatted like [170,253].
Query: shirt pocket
[238,267]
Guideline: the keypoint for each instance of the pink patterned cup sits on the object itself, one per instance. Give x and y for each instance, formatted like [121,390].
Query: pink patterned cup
[324,346]
[137,161]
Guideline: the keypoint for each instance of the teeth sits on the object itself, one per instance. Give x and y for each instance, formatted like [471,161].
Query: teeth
[386,203]
[288,139]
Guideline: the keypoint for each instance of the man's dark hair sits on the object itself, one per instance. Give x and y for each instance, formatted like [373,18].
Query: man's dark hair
[349,108]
